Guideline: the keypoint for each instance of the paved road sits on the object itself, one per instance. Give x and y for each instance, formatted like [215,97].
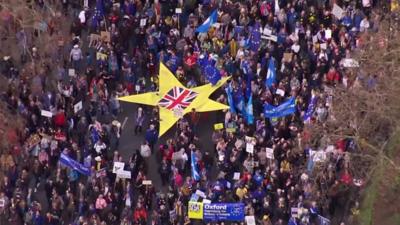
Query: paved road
[129,142]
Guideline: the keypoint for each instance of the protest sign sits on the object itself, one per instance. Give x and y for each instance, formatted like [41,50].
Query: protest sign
[249,148]
[206,201]
[118,166]
[78,106]
[273,38]
[143,22]
[328,34]
[147,182]
[280,92]
[178,11]
[230,130]
[350,63]
[250,220]
[101,56]
[124,174]
[201,194]
[269,153]
[337,11]
[218,126]
[236,176]
[46,113]
[71,72]
[105,36]
[194,198]
[195,210]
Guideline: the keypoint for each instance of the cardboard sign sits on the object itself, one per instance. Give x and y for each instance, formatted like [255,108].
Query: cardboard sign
[147,182]
[46,113]
[178,11]
[118,166]
[337,11]
[105,36]
[218,126]
[71,72]
[269,153]
[78,106]
[236,176]
[287,57]
[250,148]
[250,220]
[143,22]
[124,174]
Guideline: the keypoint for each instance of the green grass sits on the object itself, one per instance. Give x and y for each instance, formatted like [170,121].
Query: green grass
[371,192]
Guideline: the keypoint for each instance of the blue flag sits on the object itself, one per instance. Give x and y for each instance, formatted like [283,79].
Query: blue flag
[195,168]
[98,13]
[310,109]
[271,74]
[255,39]
[238,99]
[249,111]
[67,161]
[212,73]
[284,109]
[228,90]
[203,28]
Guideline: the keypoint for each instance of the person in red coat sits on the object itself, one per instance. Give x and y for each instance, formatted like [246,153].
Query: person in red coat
[60,119]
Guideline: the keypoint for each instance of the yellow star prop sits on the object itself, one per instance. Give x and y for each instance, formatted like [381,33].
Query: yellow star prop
[172,111]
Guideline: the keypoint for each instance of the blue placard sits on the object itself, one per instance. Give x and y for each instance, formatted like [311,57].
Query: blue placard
[223,212]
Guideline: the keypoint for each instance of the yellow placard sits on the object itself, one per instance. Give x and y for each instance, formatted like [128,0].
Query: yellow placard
[101,56]
[230,130]
[195,210]
[218,126]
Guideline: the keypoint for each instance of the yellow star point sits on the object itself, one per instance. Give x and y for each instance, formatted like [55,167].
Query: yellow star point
[169,116]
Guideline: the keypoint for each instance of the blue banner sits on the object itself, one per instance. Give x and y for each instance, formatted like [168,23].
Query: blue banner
[223,212]
[281,110]
[67,161]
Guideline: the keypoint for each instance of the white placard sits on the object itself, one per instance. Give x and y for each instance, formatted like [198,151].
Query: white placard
[143,22]
[178,10]
[228,185]
[118,166]
[78,106]
[328,34]
[273,38]
[350,63]
[280,92]
[206,201]
[269,153]
[71,72]
[250,220]
[201,194]
[236,176]
[267,32]
[323,46]
[249,148]
[124,174]
[46,113]
[147,182]
[337,11]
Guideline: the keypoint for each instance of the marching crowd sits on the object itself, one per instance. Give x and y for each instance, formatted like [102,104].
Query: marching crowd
[115,50]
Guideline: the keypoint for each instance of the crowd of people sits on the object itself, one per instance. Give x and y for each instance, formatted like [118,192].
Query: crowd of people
[115,50]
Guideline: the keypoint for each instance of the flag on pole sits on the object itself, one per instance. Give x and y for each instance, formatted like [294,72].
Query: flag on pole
[271,74]
[310,109]
[213,75]
[284,109]
[228,90]
[195,168]
[255,38]
[203,28]
[249,110]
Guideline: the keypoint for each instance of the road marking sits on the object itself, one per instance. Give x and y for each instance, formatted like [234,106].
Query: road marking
[123,124]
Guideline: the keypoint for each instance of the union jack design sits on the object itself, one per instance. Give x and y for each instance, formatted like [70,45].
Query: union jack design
[177,98]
